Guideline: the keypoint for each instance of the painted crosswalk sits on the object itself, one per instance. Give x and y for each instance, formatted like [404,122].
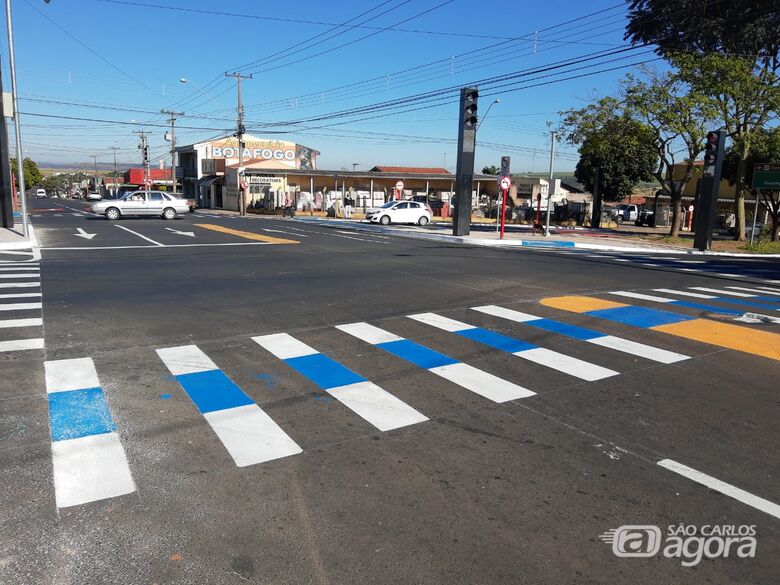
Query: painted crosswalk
[364,398]
[21,324]
[248,434]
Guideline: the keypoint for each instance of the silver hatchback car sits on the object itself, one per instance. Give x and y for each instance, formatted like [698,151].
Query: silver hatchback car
[157,203]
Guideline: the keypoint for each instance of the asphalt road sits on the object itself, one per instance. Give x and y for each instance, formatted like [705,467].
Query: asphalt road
[504,472]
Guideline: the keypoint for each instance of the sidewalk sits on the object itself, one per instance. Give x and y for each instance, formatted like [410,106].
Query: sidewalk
[588,239]
[13,239]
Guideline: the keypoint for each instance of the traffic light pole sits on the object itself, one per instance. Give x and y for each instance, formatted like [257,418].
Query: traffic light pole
[710,186]
[464,173]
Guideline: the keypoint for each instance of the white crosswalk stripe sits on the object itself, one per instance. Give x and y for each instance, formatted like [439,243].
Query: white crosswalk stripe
[684,293]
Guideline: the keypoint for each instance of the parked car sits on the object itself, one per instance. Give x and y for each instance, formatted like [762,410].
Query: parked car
[152,203]
[646,217]
[40,194]
[627,213]
[400,212]
[94,196]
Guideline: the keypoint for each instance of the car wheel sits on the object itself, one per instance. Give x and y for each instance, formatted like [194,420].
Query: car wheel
[619,219]
[112,213]
[384,220]
[169,213]
[423,220]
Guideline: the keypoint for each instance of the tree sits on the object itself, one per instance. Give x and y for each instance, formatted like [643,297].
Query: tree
[747,97]
[32,174]
[726,49]
[622,149]
[725,27]
[678,116]
[765,149]
[491,170]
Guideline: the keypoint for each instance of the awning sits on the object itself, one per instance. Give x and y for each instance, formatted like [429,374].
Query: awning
[208,181]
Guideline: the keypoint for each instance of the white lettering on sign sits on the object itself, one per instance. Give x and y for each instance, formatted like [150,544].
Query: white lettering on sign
[281,154]
[216,152]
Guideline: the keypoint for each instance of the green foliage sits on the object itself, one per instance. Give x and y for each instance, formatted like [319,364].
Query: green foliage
[765,148]
[32,174]
[623,150]
[725,27]
[491,170]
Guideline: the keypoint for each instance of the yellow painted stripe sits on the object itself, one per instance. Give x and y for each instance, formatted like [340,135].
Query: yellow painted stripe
[579,304]
[247,235]
[726,335]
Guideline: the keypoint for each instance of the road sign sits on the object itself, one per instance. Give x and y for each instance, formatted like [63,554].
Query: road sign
[505,183]
[766,176]
[504,166]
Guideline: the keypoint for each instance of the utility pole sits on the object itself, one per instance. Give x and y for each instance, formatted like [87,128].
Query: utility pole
[94,160]
[354,166]
[172,119]
[551,186]
[144,146]
[240,130]
[116,177]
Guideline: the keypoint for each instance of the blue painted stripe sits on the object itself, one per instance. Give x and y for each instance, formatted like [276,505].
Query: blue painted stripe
[419,355]
[706,307]
[565,329]
[212,391]
[79,413]
[538,244]
[749,303]
[638,316]
[323,371]
[496,340]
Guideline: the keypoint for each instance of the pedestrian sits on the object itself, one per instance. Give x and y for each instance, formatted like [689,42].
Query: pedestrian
[287,206]
[348,203]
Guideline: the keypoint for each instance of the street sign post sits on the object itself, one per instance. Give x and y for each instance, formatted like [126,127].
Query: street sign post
[505,183]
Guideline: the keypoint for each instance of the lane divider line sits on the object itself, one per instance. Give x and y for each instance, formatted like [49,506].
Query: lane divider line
[466,376]
[89,462]
[722,487]
[143,237]
[244,234]
[522,349]
[590,335]
[248,434]
[364,398]
[725,335]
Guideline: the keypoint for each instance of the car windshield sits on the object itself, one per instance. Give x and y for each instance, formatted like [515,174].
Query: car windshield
[389,204]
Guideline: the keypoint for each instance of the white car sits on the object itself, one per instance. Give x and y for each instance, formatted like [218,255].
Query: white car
[156,203]
[40,194]
[94,196]
[400,212]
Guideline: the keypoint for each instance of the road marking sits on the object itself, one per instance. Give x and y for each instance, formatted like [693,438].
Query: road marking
[89,462]
[522,349]
[17,268]
[591,336]
[621,259]
[724,335]
[580,304]
[721,291]
[725,275]
[248,434]
[20,284]
[20,306]
[19,295]
[690,304]
[283,232]
[143,237]
[20,275]
[757,290]
[633,295]
[10,323]
[364,398]
[243,234]
[190,234]
[20,344]
[82,234]
[684,293]
[691,261]
[468,377]
[724,488]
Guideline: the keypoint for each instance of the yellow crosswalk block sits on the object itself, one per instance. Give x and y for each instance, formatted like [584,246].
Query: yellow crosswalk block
[246,235]
[579,304]
[726,335]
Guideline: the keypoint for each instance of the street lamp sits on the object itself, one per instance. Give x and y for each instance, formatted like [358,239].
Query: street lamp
[184,80]
[493,103]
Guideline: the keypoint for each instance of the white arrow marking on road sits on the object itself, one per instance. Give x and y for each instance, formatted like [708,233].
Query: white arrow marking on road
[190,234]
[83,234]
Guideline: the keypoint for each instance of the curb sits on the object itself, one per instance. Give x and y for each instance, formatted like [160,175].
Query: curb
[31,242]
[527,243]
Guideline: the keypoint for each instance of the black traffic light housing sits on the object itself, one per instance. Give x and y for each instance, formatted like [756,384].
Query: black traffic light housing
[464,175]
[711,150]
[469,103]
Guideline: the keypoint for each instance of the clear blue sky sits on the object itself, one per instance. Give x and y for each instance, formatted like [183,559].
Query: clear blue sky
[137,53]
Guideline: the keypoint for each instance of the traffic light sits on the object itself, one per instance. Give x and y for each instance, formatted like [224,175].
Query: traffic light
[711,149]
[469,104]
